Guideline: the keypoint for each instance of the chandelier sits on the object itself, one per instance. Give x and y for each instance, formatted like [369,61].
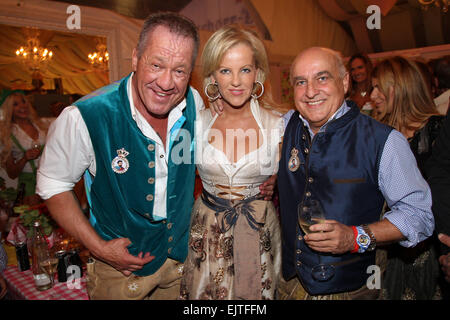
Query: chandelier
[442,4]
[32,55]
[99,59]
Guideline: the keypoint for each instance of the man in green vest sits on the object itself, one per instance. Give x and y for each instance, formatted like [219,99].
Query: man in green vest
[129,137]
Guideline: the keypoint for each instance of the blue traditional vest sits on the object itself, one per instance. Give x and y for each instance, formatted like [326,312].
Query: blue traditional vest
[122,202]
[339,167]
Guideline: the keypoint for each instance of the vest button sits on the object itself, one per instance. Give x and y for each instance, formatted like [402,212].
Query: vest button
[308,194]
[300,238]
[151,147]
[299,263]
[170,239]
[169,251]
[298,251]
[151,164]
[303,137]
[310,179]
[306,150]
[169,225]
[149,197]
[151,180]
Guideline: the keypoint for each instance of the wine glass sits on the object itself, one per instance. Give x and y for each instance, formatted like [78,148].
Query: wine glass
[48,264]
[310,212]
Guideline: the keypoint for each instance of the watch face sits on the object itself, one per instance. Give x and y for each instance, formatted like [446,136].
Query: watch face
[363,240]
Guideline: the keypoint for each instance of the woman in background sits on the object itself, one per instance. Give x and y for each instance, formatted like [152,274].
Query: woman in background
[22,137]
[360,68]
[235,246]
[403,101]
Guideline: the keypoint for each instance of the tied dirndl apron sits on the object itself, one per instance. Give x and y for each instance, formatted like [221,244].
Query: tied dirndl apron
[234,250]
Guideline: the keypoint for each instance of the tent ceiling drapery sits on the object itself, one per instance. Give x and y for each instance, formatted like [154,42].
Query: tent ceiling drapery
[287,25]
[69,61]
[278,21]
[138,9]
[404,25]
[288,19]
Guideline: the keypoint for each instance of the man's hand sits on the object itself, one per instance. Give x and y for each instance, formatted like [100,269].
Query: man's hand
[444,260]
[330,236]
[267,187]
[115,253]
[216,107]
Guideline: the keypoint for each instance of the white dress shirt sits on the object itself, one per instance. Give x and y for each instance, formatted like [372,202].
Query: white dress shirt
[69,151]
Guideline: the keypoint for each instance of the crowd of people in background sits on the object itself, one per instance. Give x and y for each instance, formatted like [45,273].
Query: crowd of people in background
[413,97]
[367,139]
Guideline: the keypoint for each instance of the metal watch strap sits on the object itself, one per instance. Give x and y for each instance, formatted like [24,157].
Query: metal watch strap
[373,241]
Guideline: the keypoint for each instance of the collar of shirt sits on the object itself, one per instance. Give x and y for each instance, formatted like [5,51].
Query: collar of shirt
[144,126]
[339,113]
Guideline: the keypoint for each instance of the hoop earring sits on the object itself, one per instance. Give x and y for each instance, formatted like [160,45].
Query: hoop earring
[216,88]
[254,96]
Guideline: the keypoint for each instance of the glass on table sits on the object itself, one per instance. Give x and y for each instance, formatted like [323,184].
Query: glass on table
[48,263]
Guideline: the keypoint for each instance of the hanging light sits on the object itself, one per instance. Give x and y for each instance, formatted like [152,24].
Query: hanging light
[442,4]
[99,59]
[32,55]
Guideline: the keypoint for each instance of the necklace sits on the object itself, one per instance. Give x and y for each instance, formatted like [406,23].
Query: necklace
[363,93]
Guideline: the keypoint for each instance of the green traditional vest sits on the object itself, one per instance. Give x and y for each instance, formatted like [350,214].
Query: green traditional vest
[122,192]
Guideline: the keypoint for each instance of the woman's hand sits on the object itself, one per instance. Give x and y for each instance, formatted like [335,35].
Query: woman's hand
[216,107]
[32,153]
[268,186]
[14,167]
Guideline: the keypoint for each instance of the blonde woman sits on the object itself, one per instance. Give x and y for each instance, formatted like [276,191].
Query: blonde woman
[401,96]
[402,100]
[22,137]
[234,246]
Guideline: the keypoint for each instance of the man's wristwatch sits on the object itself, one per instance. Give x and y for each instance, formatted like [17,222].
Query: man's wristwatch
[365,239]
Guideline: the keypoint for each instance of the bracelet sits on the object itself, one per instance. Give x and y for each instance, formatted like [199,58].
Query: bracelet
[355,234]
[373,240]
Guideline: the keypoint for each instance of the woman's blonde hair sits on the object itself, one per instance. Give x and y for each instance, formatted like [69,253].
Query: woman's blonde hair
[412,102]
[224,39]
[6,124]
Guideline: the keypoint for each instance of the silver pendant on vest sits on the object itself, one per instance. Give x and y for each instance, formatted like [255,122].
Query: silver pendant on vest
[120,163]
[294,161]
